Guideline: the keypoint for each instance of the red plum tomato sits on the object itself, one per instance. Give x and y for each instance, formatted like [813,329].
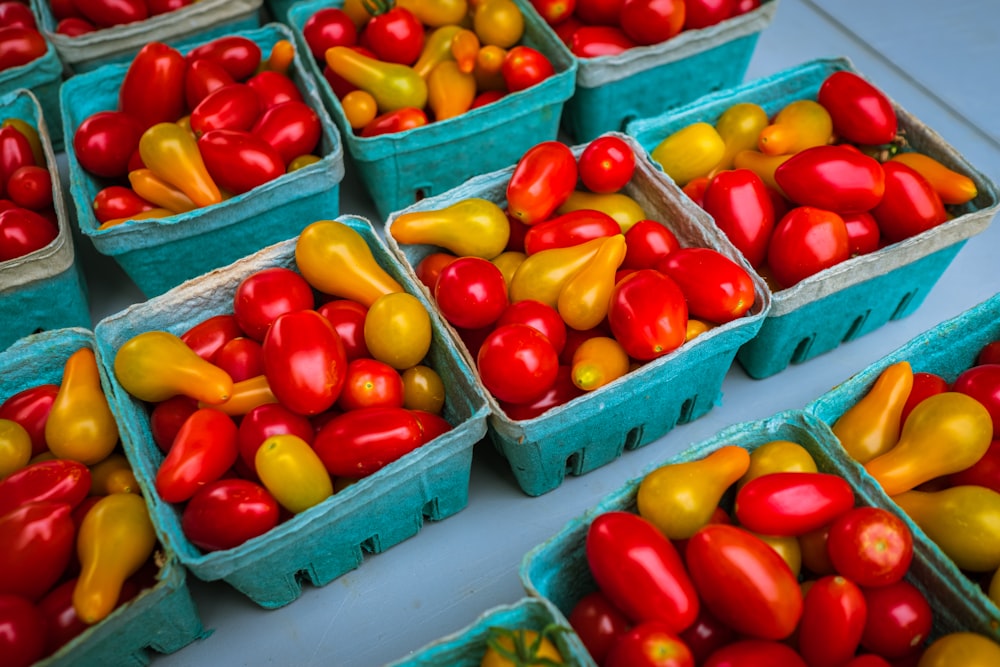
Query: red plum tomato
[899,620]
[860,112]
[792,503]
[242,358]
[22,631]
[705,13]
[806,241]
[105,141]
[717,289]
[348,318]
[651,21]
[598,623]
[304,361]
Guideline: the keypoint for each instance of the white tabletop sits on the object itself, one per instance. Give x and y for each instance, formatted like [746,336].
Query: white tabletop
[938,61]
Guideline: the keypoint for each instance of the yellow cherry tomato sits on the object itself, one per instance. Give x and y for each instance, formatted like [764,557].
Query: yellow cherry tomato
[398,330]
[423,389]
[15,447]
[293,472]
[598,361]
[961,649]
[498,22]
[359,107]
[690,152]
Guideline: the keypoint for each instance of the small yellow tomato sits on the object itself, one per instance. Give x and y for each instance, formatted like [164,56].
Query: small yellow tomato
[961,649]
[690,152]
[359,107]
[598,361]
[423,389]
[292,471]
[498,22]
[398,330]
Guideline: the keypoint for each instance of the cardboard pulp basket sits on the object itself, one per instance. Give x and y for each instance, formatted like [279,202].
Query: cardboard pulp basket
[557,569]
[859,295]
[331,538]
[161,619]
[646,81]
[594,429]
[466,647]
[202,19]
[159,254]
[43,77]
[401,168]
[44,289]
[946,350]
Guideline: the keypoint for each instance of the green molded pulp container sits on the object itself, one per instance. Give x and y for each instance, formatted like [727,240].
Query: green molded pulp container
[557,569]
[202,19]
[331,538]
[860,295]
[946,350]
[646,81]
[401,168]
[44,289]
[159,254]
[161,619]
[594,429]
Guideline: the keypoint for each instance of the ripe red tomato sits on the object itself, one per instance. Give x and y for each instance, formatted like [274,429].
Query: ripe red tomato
[239,161]
[599,12]
[471,292]
[228,512]
[292,128]
[833,618]
[792,503]
[716,288]
[348,319]
[264,421]
[203,77]
[863,235]
[649,644]
[569,229]
[152,90]
[19,46]
[910,204]
[861,113]
[704,13]
[743,581]
[517,363]
[523,67]
[53,480]
[39,541]
[17,13]
[360,442]
[429,268]
[242,358]
[646,243]
[371,383]
[118,201]
[30,187]
[835,178]
[238,55]
[742,208]
[651,21]
[806,241]
[871,546]
[598,623]
[990,354]
[22,631]
[62,623]
[167,417]
[606,164]
[203,451]
[899,620]
[648,314]
[924,385]
[562,391]
[982,382]
[30,408]
[107,13]
[755,653]
[706,635]
[594,41]
[234,106]
[640,571]
[274,88]
[264,295]
[395,36]
[542,180]
[105,141]
[208,336]
[329,26]
[304,361]
[23,231]
[539,316]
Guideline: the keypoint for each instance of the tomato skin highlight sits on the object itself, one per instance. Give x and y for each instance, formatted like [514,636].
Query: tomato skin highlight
[739,203]
[860,112]
[834,178]
[648,314]
[871,546]
[542,180]
[204,449]
[304,361]
[360,442]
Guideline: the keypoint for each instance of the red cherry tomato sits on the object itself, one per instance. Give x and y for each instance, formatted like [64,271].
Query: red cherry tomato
[61,620]
[234,106]
[17,13]
[787,503]
[15,152]
[371,383]
[717,289]
[606,164]
[203,77]
[598,623]
[648,314]
[74,27]
[742,208]
[395,36]
[471,292]
[348,319]
[23,231]
[705,13]
[744,582]
[646,243]
[360,442]
[833,618]
[292,128]
[105,141]
[599,12]
[640,571]
[523,67]
[861,113]
[152,90]
[264,421]
[239,161]
[835,178]
[22,631]
[167,417]
[208,336]
[274,88]
[982,382]
[118,201]
[242,358]
[203,451]
[899,620]
[239,55]
[651,21]
[19,46]
[54,480]
[594,41]
[228,512]
[107,13]
[540,316]
[329,26]
[863,235]
[984,472]
[569,229]
[649,644]
[870,545]
[30,187]
[755,653]
[399,120]
[806,241]
[554,11]
[30,408]
[264,295]
[924,385]
[429,268]
[304,361]
[910,204]
[517,363]
[38,541]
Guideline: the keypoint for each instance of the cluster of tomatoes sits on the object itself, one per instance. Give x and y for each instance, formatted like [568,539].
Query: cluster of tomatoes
[78,539]
[933,447]
[191,130]
[305,387]
[570,286]
[755,557]
[79,17]
[27,216]
[825,180]
[593,28]
[398,66]
[20,40]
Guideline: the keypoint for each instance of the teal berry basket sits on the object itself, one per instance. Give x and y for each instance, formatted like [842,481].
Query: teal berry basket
[161,253]
[44,289]
[162,618]
[368,516]
[43,77]
[594,429]
[646,81]
[862,294]
[946,350]
[401,168]
[203,20]
[466,647]
[557,569]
